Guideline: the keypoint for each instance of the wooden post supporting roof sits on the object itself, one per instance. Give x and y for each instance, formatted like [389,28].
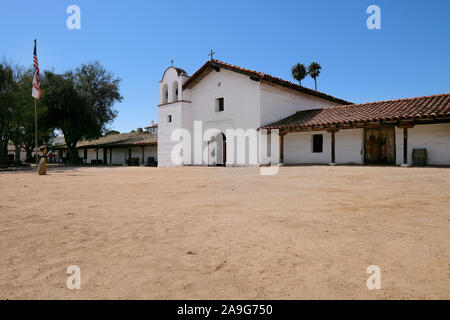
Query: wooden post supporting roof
[110,156]
[405,127]
[281,148]
[333,144]
[142,161]
[96,151]
[405,146]
[333,147]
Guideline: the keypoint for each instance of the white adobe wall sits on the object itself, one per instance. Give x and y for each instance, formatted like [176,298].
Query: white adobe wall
[118,156]
[92,155]
[172,106]
[136,152]
[165,129]
[349,146]
[241,110]
[149,151]
[298,148]
[241,103]
[433,137]
[278,102]
[241,100]
[399,146]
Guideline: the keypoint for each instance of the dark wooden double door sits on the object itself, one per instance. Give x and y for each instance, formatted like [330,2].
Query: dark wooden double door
[379,146]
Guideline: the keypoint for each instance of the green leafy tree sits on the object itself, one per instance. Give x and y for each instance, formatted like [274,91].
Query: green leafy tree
[80,103]
[23,131]
[7,104]
[314,71]
[299,72]
[18,121]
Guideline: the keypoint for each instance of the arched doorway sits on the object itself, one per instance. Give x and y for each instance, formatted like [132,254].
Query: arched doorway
[217,148]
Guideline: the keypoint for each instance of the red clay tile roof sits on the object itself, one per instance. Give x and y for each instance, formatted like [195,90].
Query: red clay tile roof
[117,140]
[213,64]
[430,107]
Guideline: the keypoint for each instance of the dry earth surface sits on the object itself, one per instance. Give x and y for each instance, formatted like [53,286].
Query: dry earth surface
[225,233]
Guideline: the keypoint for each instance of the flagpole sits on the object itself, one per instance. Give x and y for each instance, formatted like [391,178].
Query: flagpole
[36,78]
[36,131]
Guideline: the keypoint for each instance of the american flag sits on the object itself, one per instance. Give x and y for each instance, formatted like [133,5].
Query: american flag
[36,79]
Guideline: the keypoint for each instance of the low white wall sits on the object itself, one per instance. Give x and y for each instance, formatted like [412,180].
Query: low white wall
[151,151]
[298,148]
[148,152]
[349,146]
[118,156]
[136,153]
[91,155]
[433,137]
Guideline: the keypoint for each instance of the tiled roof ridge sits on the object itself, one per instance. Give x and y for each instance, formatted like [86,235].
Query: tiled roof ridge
[433,107]
[266,77]
[339,106]
[380,101]
[269,76]
[238,67]
[137,138]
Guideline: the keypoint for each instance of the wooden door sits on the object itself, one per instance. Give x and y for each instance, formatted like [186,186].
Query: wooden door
[379,146]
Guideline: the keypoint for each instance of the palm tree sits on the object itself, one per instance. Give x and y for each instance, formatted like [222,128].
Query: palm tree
[299,72]
[314,71]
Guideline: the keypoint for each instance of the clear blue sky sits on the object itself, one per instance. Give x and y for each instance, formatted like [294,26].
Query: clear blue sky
[136,40]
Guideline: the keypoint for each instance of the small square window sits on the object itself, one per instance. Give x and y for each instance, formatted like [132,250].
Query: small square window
[220,104]
[317,143]
[169,118]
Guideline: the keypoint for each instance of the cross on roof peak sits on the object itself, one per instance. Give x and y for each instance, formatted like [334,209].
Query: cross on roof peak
[171,62]
[211,54]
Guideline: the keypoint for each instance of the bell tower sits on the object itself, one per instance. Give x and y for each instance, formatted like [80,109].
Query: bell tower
[173,112]
[171,85]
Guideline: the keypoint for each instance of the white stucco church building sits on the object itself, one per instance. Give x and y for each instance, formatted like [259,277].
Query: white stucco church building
[313,127]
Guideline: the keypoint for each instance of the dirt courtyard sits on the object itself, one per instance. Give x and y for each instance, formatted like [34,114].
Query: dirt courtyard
[226,233]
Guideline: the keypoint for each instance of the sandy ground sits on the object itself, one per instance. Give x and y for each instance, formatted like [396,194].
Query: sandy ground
[223,233]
